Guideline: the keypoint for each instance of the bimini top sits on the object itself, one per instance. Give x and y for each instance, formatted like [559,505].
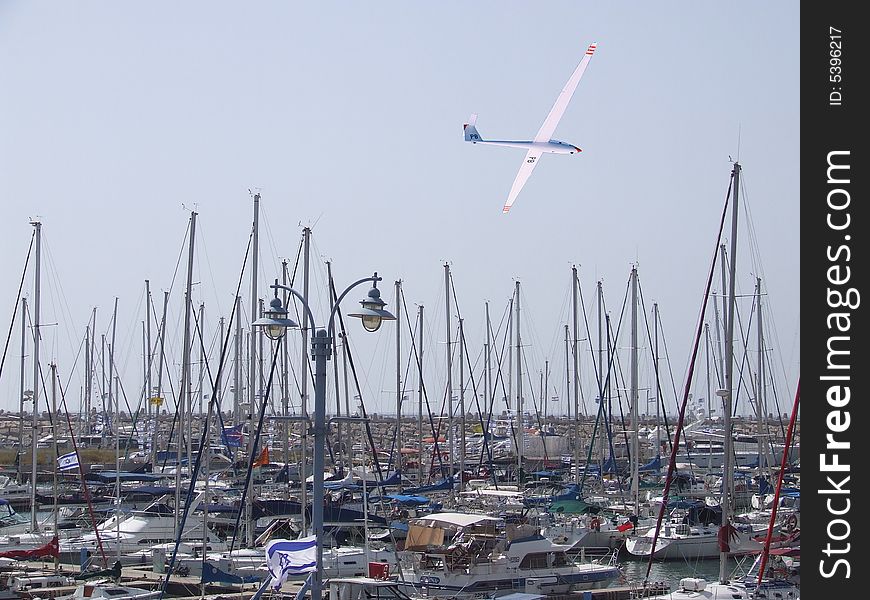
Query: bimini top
[457,519]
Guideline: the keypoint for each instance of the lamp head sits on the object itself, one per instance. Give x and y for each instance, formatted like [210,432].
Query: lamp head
[372,312]
[274,321]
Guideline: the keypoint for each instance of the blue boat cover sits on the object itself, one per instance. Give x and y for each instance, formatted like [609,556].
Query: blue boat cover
[653,465]
[444,484]
[211,574]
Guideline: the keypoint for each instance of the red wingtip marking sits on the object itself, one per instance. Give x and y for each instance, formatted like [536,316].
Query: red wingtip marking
[577,149]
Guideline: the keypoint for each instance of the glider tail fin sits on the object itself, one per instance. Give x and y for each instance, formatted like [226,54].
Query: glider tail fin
[471,133]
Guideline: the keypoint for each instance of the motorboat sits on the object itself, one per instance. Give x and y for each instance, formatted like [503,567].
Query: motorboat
[466,554]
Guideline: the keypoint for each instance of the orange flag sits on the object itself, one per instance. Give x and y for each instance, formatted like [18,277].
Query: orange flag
[263,459]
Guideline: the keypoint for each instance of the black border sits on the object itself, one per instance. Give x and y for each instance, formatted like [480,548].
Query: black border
[826,128]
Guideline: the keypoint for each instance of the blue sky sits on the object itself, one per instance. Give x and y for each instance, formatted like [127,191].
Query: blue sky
[119,118]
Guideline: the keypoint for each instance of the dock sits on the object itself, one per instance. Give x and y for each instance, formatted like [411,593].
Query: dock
[181,586]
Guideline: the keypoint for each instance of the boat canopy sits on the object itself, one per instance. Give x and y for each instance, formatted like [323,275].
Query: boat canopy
[457,519]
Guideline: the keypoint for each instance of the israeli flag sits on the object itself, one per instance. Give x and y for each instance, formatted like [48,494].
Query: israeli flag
[68,462]
[286,558]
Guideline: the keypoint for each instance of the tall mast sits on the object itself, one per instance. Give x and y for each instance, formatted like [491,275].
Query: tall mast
[237,364]
[344,354]
[146,393]
[285,386]
[116,421]
[487,379]
[601,383]
[461,409]
[148,357]
[184,400]
[159,380]
[104,393]
[568,399]
[200,393]
[20,474]
[576,370]
[117,464]
[55,422]
[450,438]
[420,392]
[635,445]
[399,375]
[510,360]
[521,438]
[659,395]
[36,336]
[728,469]
[252,369]
[304,373]
[759,397]
[709,392]
[86,399]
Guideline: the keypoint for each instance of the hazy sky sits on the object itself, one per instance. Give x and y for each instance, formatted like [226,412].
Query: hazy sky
[119,118]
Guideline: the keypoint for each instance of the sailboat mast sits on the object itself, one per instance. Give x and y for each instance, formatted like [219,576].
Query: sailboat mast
[184,400]
[635,426]
[709,391]
[86,399]
[148,406]
[399,444]
[450,438]
[55,422]
[487,379]
[19,474]
[601,351]
[237,364]
[568,401]
[159,380]
[252,367]
[36,334]
[201,360]
[521,438]
[759,396]
[659,396]
[546,378]
[575,284]
[728,470]
[285,387]
[461,408]
[116,422]
[304,372]
[420,393]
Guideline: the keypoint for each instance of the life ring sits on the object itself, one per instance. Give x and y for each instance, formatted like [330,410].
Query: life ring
[595,524]
[790,523]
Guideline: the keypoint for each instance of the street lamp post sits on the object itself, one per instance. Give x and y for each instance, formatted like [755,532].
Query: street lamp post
[275,322]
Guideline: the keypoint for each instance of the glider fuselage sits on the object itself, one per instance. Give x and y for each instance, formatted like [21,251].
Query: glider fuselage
[553,146]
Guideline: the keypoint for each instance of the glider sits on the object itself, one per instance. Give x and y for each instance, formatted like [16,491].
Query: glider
[542,143]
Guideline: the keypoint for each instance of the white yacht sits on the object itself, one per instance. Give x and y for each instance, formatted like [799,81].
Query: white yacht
[129,534]
[465,555]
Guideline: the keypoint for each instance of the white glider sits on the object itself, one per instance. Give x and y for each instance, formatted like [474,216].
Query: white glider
[542,142]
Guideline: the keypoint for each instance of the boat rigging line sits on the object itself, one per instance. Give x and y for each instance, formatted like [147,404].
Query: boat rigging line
[17,300]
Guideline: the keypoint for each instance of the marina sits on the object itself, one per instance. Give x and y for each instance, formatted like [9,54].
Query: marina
[347,379]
